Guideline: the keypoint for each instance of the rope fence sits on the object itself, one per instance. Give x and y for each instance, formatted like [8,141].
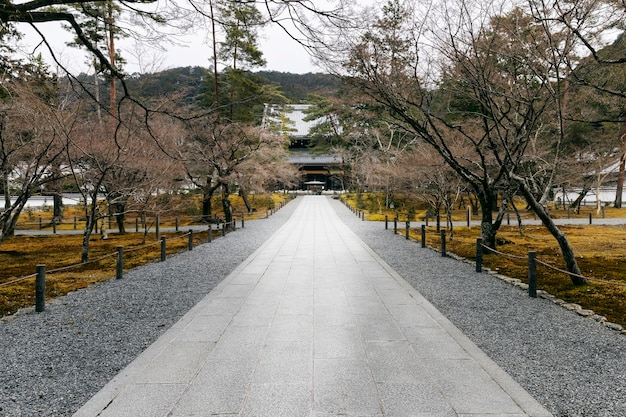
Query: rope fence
[480,250]
[41,272]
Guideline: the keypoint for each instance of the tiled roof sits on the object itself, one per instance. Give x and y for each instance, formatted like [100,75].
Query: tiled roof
[305,158]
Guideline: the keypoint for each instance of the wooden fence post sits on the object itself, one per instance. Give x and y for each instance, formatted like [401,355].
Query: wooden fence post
[443,243]
[479,255]
[163,248]
[386,222]
[408,227]
[423,236]
[190,244]
[119,269]
[532,274]
[40,288]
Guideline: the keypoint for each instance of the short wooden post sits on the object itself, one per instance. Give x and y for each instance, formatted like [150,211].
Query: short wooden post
[469,216]
[386,222]
[74,222]
[395,225]
[423,236]
[40,224]
[443,243]
[243,221]
[136,224]
[569,212]
[479,254]
[590,218]
[119,268]
[223,229]
[163,248]
[603,214]
[408,227]
[176,223]
[508,219]
[190,243]
[532,274]
[210,238]
[40,288]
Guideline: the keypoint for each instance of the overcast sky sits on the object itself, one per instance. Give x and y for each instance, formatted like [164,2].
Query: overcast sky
[280,51]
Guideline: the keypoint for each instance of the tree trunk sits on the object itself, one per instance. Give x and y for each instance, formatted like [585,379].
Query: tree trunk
[228,209]
[90,223]
[488,229]
[120,216]
[620,182]
[246,200]
[566,248]
[622,166]
[57,198]
[576,203]
[207,195]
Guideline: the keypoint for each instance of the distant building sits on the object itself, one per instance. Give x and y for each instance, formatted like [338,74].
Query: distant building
[319,172]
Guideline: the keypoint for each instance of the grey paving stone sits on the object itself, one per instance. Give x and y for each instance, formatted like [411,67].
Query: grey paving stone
[413,400]
[412,315]
[279,400]
[395,361]
[367,305]
[379,327]
[434,343]
[144,400]
[334,342]
[177,364]
[205,329]
[469,389]
[219,388]
[240,342]
[344,387]
[295,305]
[285,362]
[291,327]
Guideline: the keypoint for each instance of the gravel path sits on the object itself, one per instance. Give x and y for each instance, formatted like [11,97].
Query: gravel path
[54,362]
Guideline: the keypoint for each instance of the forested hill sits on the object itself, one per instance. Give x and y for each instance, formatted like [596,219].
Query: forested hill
[188,83]
[297,87]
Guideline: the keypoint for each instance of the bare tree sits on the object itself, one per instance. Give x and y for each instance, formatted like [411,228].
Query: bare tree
[216,156]
[491,95]
[30,144]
